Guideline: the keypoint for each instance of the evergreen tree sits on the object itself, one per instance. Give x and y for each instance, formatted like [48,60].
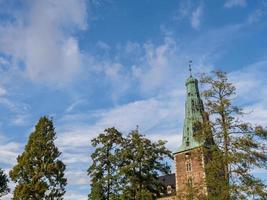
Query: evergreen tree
[144,161]
[39,174]
[104,173]
[3,183]
[240,146]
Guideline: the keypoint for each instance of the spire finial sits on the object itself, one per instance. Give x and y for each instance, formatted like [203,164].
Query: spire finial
[137,128]
[190,67]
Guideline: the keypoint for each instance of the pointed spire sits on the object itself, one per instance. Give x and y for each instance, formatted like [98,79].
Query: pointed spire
[190,67]
[194,115]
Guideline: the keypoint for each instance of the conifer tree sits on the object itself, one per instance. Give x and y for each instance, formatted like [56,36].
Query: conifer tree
[39,174]
[3,183]
[144,162]
[104,173]
[240,146]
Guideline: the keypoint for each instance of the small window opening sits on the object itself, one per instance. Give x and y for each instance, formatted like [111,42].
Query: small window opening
[187,143]
[188,166]
[190,182]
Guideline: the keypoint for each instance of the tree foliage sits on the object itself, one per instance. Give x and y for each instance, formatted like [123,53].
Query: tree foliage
[3,183]
[241,146]
[39,174]
[127,168]
[143,162]
[105,177]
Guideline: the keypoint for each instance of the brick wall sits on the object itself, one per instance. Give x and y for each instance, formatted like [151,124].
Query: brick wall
[184,174]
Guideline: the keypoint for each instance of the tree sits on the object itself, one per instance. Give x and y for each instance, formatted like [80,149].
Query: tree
[241,146]
[126,168]
[3,183]
[106,160]
[144,161]
[39,174]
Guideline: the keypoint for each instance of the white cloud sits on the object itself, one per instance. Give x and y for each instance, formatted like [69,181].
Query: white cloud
[184,10]
[189,12]
[103,45]
[196,17]
[13,106]
[259,13]
[78,177]
[250,81]
[75,104]
[232,3]
[3,91]
[158,118]
[41,37]
[20,119]
[75,195]
[3,61]
[251,89]
[9,152]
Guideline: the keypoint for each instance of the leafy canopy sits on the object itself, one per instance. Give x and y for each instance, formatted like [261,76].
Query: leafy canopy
[241,146]
[127,168]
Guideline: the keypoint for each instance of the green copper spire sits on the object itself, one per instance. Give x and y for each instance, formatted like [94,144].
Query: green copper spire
[194,115]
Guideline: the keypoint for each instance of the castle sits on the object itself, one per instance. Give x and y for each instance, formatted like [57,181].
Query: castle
[191,157]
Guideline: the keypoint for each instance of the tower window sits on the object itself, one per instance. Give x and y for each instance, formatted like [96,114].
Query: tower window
[190,182]
[188,166]
[187,142]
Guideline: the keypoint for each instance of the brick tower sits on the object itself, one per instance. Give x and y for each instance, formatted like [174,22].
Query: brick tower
[190,158]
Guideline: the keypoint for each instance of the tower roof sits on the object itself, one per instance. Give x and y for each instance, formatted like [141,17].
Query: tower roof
[194,116]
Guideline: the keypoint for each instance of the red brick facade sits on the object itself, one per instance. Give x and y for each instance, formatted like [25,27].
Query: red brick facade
[190,173]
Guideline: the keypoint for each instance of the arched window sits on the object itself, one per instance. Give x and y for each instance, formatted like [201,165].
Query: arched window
[188,165]
[190,182]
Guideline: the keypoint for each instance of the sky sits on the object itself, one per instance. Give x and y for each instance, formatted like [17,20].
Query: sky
[95,64]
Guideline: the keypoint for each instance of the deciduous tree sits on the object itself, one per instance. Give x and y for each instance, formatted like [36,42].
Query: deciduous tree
[144,162]
[104,170]
[127,168]
[241,145]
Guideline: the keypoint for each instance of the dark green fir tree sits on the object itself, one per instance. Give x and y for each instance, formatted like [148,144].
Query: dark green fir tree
[39,173]
[3,183]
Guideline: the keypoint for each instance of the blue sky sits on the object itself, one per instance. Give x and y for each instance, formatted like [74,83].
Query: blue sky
[100,63]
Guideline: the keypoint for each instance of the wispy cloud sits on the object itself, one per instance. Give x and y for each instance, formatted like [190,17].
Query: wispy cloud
[41,38]
[233,3]
[258,13]
[3,92]
[251,90]
[197,17]
[8,151]
[188,11]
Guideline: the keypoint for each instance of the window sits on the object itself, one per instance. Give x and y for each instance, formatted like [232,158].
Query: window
[193,105]
[187,142]
[190,182]
[188,165]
